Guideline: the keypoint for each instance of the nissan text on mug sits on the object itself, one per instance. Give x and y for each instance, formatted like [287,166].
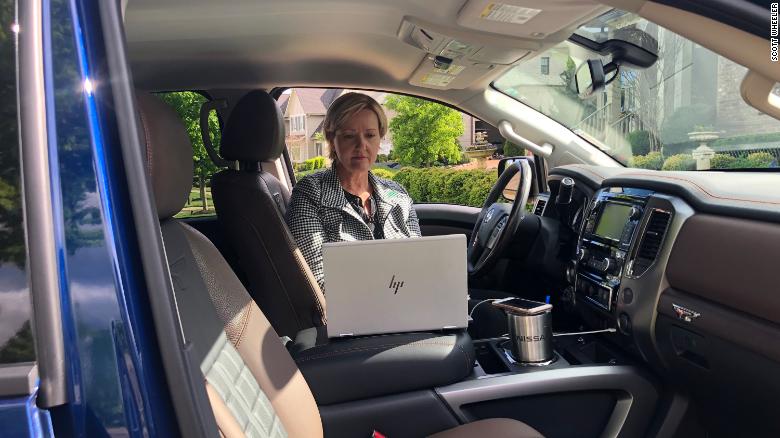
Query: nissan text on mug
[773,33]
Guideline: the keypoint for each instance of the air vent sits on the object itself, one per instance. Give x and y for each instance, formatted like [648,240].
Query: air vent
[651,241]
[540,206]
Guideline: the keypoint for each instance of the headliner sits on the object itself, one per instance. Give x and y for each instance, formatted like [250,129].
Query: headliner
[244,44]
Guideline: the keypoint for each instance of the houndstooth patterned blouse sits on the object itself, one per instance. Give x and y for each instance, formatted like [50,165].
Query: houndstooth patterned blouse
[319,213]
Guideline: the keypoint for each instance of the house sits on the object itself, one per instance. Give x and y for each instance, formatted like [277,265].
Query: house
[304,113]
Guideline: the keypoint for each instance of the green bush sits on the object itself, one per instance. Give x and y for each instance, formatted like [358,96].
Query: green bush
[653,160]
[640,142]
[452,186]
[756,160]
[383,173]
[724,161]
[513,150]
[381,158]
[759,160]
[679,162]
[310,164]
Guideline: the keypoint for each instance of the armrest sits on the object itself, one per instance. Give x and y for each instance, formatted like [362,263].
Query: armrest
[357,368]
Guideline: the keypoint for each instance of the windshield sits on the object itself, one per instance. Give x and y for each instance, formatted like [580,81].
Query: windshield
[683,113]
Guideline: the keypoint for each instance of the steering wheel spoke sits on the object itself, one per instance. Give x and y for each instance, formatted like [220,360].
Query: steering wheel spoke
[495,235]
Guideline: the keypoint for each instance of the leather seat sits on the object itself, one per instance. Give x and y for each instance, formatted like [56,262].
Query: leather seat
[252,383]
[251,204]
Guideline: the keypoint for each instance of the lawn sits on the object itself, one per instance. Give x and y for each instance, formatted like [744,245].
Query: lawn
[194,206]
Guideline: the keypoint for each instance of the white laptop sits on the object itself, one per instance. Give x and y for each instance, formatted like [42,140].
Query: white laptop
[395,285]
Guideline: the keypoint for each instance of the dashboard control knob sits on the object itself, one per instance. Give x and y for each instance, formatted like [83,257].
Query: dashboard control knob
[605,264]
[582,254]
[613,267]
[635,214]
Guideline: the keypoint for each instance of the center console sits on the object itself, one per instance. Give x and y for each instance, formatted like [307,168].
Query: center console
[603,250]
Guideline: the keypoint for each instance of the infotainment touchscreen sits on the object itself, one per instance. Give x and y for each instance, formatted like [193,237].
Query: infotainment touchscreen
[612,221]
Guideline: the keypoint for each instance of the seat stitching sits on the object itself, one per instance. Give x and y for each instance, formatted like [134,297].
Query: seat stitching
[244,324]
[465,358]
[147,143]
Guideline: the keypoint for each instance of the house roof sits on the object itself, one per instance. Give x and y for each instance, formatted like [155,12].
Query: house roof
[282,102]
[316,100]
[318,128]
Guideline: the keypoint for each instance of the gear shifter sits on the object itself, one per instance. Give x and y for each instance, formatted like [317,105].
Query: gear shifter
[563,200]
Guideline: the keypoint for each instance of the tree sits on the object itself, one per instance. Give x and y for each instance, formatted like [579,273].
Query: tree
[187,104]
[424,133]
[640,142]
[513,150]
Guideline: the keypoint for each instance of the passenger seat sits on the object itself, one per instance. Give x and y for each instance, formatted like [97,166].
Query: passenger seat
[253,385]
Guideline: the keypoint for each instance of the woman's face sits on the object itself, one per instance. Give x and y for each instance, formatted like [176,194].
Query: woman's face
[357,142]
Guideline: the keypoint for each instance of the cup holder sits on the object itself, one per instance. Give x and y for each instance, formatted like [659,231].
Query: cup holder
[505,347]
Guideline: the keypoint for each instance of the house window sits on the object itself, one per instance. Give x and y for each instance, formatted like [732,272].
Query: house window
[318,149]
[297,123]
[545,65]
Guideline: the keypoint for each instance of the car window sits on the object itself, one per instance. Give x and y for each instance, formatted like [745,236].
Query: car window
[685,112]
[187,104]
[16,339]
[439,154]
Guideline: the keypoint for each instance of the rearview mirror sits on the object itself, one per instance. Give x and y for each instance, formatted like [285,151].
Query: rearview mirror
[589,78]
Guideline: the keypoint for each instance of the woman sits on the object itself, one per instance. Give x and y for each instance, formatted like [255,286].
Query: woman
[347,202]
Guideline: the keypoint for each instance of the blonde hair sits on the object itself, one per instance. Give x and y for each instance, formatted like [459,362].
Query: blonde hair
[343,109]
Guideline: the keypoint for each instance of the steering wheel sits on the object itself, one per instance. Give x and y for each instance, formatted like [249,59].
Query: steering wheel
[498,222]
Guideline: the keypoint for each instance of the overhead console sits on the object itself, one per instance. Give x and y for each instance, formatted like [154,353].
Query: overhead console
[452,61]
[506,32]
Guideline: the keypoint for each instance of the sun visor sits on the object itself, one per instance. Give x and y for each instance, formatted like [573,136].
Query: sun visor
[524,18]
[465,61]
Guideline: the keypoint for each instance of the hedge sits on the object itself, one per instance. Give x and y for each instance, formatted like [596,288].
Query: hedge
[679,162]
[463,187]
[310,164]
[653,160]
[724,161]
[383,173]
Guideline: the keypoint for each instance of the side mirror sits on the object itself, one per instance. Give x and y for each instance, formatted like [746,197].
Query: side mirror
[510,191]
[589,78]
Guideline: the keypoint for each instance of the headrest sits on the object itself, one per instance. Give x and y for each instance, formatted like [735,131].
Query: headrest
[168,154]
[254,131]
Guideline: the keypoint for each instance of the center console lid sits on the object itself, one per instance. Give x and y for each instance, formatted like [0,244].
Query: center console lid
[371,366]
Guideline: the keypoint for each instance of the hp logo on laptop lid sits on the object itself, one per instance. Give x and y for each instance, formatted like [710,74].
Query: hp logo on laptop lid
[395,284]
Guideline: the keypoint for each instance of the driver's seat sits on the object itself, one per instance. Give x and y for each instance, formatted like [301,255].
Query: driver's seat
[250,204]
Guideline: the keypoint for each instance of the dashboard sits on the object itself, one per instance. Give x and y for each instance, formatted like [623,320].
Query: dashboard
[683,265]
